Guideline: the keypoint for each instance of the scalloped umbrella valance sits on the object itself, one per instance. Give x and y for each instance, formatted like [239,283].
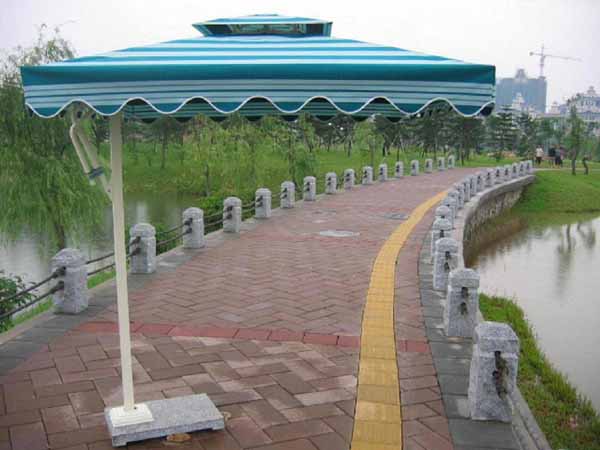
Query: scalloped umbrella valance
[260,65]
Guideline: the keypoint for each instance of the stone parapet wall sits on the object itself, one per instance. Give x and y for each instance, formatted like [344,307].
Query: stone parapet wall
[486,205]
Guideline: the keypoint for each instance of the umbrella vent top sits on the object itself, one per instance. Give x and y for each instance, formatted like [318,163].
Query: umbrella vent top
[265,24]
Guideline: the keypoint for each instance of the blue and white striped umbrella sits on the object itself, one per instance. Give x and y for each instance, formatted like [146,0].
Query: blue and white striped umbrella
[258,65]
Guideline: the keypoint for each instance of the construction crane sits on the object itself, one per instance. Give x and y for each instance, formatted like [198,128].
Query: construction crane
[543,55]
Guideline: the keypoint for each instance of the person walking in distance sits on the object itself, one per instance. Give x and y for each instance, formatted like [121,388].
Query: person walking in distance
[539,154]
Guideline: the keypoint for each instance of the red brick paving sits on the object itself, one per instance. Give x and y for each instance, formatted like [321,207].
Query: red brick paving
[267,323]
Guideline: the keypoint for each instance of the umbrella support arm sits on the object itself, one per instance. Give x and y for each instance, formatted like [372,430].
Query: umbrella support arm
[87,152]
[129,413]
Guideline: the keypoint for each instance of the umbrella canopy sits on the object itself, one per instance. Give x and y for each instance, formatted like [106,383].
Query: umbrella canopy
[259,65]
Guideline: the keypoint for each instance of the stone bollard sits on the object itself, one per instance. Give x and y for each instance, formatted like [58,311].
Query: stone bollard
[460,188]
[383,172]
[195,218]
[529,167]
[493,374]
[348,178]
[462,303]
[443,212]
[144,259]
[232,215]
[331,183]
[489,178]
[473,181]
[522,171]
[441,228]
[399,169]
[456,196]
[263,203]
[451,162]
[414,168]
[428,165]
[498,175]
[445,259]
[507,172]
[367,177]
[69,263]
[441,164]
[480,181]
[288,194]
[309,191]
[467,189]
[514,167]
[450,202]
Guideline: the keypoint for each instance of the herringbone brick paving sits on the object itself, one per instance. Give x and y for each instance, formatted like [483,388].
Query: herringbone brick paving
[282,275]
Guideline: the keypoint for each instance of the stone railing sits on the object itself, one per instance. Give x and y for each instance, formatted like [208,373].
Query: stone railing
[492,393]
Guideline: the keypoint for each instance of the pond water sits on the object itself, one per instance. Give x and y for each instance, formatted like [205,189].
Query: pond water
[553,273]
[29,256]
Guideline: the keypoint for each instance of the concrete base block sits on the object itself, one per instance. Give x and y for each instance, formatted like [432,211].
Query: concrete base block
[170,416]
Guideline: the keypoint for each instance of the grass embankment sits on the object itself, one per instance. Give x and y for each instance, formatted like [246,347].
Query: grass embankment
[567,419]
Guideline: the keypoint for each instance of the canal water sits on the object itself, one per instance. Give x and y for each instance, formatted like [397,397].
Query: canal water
[553,273]
[29,256]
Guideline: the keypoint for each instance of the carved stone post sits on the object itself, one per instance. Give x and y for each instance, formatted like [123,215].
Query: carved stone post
[232,215]
[263,203]
[414,167]
[462,303]
[331,183]
[493,374]
[383,172]
[309,192]
[349,178]
[399,169]
[195,218]
[367,177]
[73,297]
[445,259]
[288,194]
[144,258]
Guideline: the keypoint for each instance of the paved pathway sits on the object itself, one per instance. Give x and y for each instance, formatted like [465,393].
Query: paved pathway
[267,323]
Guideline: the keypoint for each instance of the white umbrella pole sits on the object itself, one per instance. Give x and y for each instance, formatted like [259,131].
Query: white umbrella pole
[129,413]
[116,165]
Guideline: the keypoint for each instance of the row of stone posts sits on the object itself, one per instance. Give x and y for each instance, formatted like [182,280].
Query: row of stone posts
[494,362]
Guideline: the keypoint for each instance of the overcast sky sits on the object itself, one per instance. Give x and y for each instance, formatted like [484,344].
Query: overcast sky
[499,32]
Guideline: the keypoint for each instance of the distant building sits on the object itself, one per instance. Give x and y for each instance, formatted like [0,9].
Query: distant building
[528,93]
[587,105]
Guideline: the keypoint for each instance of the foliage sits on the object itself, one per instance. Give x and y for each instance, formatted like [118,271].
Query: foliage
[567,419]
[502,132]
[43,187]
[10,285]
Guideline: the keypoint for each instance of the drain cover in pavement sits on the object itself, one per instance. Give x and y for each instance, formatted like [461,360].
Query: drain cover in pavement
[396,216]
[338,233]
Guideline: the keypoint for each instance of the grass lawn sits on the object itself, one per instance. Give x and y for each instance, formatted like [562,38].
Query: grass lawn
[568,420]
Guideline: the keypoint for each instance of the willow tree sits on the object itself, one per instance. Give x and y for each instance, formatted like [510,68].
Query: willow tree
[43,189]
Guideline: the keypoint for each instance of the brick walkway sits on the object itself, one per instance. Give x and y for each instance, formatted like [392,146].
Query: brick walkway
[266,323]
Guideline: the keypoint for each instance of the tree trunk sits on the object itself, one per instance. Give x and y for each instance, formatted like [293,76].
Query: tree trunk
[163,156]
[207,179]
[585,166]
[573,162]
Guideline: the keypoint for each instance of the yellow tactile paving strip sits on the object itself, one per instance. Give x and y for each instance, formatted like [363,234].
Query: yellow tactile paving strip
[378,418]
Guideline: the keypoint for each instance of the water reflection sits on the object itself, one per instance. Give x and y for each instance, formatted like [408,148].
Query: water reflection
[552,271]
[30,258]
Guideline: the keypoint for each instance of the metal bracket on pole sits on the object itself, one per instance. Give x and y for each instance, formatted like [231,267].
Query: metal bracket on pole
[86,151]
